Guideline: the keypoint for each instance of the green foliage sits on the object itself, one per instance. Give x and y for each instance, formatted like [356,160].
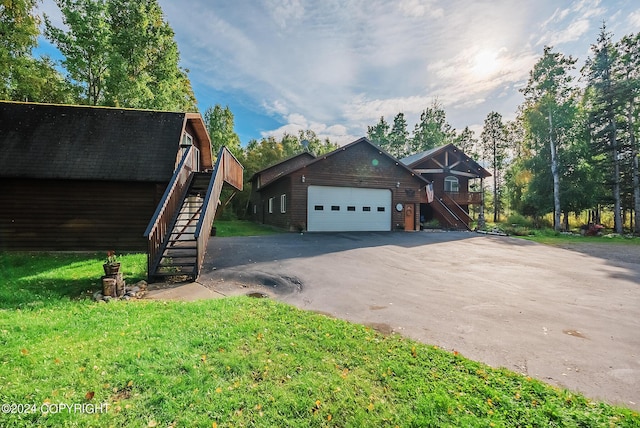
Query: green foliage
[22,77]
[493,145]
[433,131]
[467,142]
[398,137]
[221,128]
[250,362]
[379,133]
[121,53]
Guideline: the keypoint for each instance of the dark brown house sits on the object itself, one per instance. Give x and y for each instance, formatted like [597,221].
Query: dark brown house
[358,187]
[96,178]
[451,171]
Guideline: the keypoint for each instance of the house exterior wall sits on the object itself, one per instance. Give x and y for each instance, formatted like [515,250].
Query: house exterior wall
[72,215]
[360,165]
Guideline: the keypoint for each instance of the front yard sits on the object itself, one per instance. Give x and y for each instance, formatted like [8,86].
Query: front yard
[237,362]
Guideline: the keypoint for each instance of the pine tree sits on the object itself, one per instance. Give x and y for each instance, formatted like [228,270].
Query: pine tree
[379,133]
[493,146]
[604,109]
[627,73]
[432,130]
[398,137]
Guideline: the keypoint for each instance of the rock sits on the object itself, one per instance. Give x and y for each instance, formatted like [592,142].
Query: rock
[134,289]
[141,284]
[97,296]
[107,299]
[101,301]
[126,297]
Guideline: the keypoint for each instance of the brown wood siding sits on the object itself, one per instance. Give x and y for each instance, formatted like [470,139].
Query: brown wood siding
[276,218]
[360,166]
[65,215]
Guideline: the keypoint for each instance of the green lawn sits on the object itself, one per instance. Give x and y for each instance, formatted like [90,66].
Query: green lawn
[241,362]
[225,228]
[551,237]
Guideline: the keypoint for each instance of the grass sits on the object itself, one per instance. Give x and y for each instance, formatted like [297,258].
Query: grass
[226,228]
[243,362]
[35,279]
[551,237]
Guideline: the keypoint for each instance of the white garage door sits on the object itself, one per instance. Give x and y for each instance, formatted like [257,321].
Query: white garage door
[343,209]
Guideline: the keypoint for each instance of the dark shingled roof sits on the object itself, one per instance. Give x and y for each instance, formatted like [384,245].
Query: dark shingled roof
[88,143]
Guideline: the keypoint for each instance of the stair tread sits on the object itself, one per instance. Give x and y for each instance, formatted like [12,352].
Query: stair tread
[171,265]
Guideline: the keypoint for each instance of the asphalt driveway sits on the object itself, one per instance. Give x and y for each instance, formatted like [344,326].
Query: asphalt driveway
[566,317]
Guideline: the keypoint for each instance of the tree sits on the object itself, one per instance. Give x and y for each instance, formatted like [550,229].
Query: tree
[121,53]
[467,142]
[627,73]
[547,96]
[379,133]
[432,130]
[493,146]
[220,125]
[85,46]
[23,77]
[398,137]
[604,108]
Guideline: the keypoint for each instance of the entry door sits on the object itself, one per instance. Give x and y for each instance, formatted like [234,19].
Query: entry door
[409,217]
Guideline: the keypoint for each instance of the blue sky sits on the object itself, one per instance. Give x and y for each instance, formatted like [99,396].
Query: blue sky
[336,66]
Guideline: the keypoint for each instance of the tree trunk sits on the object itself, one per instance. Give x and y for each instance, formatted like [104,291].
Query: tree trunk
[556,177]
[617,206]
[636,180]
[495,181]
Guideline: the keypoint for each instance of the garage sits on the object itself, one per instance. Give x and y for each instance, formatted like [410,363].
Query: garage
[344,209]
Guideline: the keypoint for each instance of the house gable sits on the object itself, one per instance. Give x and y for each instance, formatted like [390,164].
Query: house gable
[273,172]
[447,159]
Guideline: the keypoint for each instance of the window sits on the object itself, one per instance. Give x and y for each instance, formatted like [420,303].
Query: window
[366,209]
[380,209]
[451,184]
[335,207]
[187,140]
[351,208]
[270,205]
[319,208]
[283,203]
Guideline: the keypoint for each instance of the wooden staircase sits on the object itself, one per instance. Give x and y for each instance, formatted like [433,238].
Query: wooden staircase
[452,213]
[179,255]
[181,226]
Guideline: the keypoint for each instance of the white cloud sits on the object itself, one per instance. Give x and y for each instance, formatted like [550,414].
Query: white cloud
[296,122]
[419,8]
[283,11]
[634,19]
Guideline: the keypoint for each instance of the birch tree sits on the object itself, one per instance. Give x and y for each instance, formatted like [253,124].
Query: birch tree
[548,96]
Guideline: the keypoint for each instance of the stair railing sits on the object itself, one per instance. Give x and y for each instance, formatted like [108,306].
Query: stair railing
[458,210]
[445,212]
[227,169]
[159,226]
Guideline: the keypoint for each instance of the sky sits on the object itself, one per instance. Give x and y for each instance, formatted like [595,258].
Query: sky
[336,67]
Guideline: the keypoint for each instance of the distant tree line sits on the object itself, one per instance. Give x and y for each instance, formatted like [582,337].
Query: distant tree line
[571,149]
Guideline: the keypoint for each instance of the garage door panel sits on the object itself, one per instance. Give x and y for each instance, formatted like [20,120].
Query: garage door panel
[342,209]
